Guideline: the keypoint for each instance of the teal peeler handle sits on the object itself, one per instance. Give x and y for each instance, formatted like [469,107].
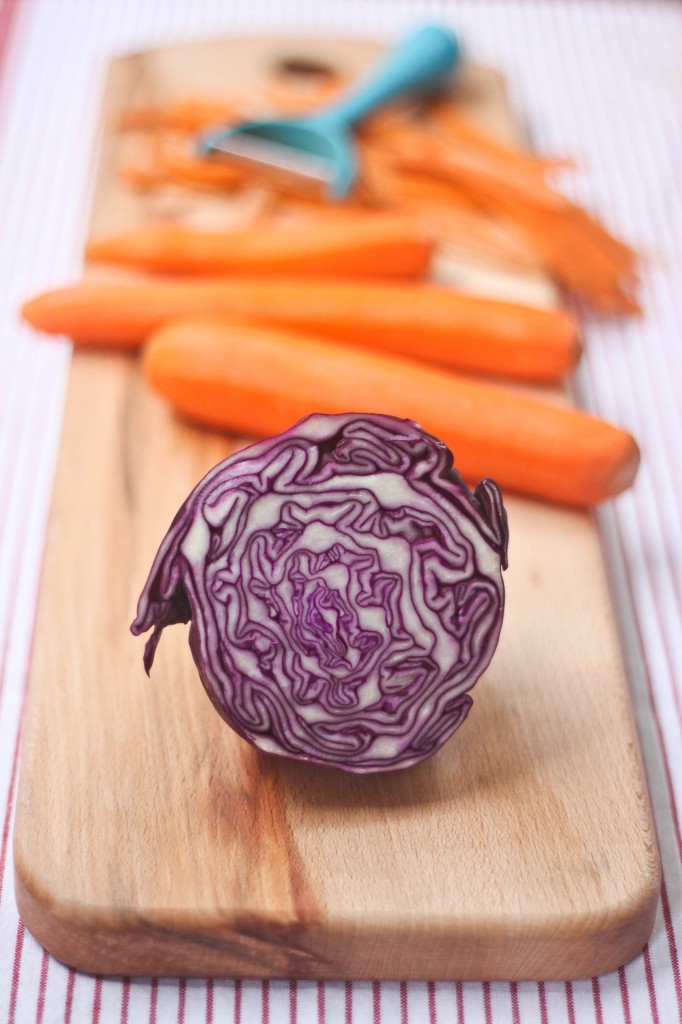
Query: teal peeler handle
[420,62]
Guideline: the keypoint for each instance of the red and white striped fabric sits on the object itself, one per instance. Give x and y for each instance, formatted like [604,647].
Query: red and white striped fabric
[599,79]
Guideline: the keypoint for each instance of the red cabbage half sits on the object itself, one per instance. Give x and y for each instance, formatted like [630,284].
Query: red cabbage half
[344,588]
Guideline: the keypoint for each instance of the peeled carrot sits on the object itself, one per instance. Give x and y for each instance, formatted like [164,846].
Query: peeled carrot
[428,322]
[255,380]
[374,245]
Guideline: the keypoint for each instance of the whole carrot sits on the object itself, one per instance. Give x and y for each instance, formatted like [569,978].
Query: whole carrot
[255,380]
[371,245]
[429,322]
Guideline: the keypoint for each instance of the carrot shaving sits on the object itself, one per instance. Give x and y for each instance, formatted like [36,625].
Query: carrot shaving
[452,125]
[186,115]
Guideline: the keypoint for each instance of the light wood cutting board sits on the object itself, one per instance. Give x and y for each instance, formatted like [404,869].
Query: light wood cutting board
[152,840]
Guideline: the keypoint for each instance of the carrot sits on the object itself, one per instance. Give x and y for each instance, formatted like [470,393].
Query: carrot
[255,380]
[368,246]
[430,322]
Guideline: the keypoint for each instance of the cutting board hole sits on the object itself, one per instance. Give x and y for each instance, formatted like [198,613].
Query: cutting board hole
[304,69]
[301,83]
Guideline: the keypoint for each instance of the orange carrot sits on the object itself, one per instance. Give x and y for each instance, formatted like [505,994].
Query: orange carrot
[429,322]
[368,246]
[255,380]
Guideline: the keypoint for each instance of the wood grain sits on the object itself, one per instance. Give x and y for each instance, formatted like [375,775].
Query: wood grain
[150,839]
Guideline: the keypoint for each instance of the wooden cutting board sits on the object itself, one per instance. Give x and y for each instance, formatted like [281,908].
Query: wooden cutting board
[151,840]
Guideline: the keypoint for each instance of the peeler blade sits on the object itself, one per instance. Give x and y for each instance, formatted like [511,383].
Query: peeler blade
[293,154]
[261,154]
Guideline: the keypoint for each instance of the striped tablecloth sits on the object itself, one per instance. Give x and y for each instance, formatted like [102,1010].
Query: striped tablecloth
[599,80]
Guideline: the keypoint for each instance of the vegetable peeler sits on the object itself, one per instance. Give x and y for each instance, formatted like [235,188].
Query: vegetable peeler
[320,147]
